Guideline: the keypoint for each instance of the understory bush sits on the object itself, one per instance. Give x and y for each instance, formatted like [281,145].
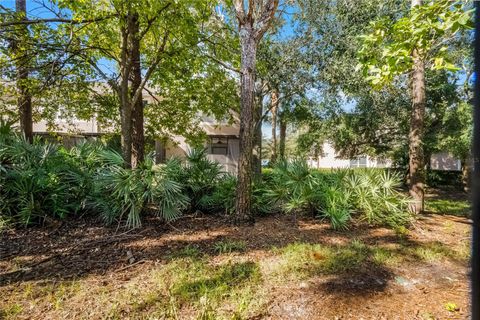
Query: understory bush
[41,180]
[120,192]
[337,195]
[35,182]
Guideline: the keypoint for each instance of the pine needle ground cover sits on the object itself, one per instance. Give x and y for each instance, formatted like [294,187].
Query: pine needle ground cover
[201,267]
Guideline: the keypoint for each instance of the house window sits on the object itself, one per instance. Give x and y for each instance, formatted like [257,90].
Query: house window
[218,146]
[360,162]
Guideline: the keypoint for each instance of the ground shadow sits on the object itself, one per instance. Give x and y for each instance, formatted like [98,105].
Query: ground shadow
[80,248]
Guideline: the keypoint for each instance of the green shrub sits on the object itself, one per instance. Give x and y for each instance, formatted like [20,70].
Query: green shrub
[375,196]
[222,198]
[442,178]
[41,180]
[292,187]
[119,191]
[35,181]
[338,194]
[199,175]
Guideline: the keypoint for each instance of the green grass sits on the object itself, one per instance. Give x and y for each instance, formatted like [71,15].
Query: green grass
[229,246]
[189,251]
[304,260]
[459,208]
[214,291]
[10,311]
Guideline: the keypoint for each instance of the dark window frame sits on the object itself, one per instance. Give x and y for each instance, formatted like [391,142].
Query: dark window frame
[216,148]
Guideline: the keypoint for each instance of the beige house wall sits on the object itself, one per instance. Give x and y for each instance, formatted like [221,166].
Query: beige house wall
[330,159]
[445,161]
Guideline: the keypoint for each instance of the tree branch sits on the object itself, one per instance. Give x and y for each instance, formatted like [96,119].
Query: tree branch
[223,64]
[150,69]
[59,20]
[152,20]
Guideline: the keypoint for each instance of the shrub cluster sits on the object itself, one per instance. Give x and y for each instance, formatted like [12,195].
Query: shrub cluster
[338,195]
[41,180]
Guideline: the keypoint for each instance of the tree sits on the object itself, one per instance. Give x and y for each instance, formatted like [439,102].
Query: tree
[408,46]
[253,21]
[273,111]
[24,97]
[288,76]
[33,55]
[136,34]
[416,163]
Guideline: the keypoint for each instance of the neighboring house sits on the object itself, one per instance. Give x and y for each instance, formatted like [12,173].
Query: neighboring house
[222,143]
[329,158]
[445,162]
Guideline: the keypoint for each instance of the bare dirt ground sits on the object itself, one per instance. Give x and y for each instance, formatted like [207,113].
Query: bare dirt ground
[79,269]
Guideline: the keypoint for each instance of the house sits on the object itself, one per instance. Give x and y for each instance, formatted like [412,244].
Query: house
[222,143]
[444,161]
[329,158]
[222,146]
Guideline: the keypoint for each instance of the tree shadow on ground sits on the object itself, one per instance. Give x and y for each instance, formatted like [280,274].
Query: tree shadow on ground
[82,248]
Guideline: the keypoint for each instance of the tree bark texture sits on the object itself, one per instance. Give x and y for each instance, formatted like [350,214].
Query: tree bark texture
[274,102]
[249,51]
[24,100]
[283,137]
[138,136]
[467,168]
[125,105]
[254,19]
[257,140]
[415,137]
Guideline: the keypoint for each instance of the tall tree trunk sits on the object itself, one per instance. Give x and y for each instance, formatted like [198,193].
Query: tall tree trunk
[416,159]
[274,102]
[138,136]
[125,101]
[249,51]
[24,100]
[257,140]
[467,168]
[283,136]
[251,32]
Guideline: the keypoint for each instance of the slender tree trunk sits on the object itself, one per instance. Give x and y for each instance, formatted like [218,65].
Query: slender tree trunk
[428,160]
[274,102]
[249,51]
[138,137]
[125,105]
[257,140]
[283,136]
[159,151]
[416,159]
[467,168]
[24,100]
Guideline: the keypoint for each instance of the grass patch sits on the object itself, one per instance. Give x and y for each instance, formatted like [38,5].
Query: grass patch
[459,208]
[385,257]
[213,291]
[217,282]
[306,259]
[229,246]
[436,251]
[10,311]
[190,251]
